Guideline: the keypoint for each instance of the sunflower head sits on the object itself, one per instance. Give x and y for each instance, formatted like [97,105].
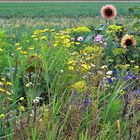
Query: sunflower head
[108,11]
[128,40]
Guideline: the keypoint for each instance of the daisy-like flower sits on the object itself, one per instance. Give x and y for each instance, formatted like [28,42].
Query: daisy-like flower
[128,40]
[108,11]
[98,38]
[80,38]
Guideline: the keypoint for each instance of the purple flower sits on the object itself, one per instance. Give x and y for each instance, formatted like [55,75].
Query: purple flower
[134,77]
[75,93]
[126,89]
[86,102]
[98,38]
[85,109]
[129,76]
[80,38]
[116,72]
[136,91]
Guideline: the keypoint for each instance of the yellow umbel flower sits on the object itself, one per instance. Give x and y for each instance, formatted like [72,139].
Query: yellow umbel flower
[82,29]
[79,86]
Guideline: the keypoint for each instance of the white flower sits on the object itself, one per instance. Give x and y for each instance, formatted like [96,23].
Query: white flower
[29,84]
[103,67]
[61,71]
[109,72]
[37,99]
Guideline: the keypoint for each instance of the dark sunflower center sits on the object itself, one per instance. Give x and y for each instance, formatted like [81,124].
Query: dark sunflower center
[108,12]
[128,42]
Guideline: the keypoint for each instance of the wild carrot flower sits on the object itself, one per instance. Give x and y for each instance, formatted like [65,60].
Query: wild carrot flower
[108,12]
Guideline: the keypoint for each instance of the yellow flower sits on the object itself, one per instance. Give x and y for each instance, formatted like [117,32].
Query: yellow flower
[24,52]
[2,116]
[83,29]
[45,30]
[35,39]
[71,68]
[17,44]
[1,84]
[1,50]
[122,92]
[79,86]
[82,51]
[21,98]
[43,38]
[36,32]
[74,53]
[2,90]
[31,48]
[3,79]
[127,65]
[137,67]
[66,41]
[9,83]
[8,93]
[55,44]
[85,66]
[77,43]
[19,49]
[33,36]
[115,28]
[62,37]
[70,62]
[21,108]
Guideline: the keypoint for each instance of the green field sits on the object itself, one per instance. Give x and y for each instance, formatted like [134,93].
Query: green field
[59,9]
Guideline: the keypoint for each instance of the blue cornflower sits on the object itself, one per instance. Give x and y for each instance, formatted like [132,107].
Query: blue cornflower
[126,89]
[75,93]
[134,77]
[110,81]
[129,74]
[86,102]
[85,109]
[137,91]
[116,72]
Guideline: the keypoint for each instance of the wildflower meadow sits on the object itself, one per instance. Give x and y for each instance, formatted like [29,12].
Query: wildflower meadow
[70,75]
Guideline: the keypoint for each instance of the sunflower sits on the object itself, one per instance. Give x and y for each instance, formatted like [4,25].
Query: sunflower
[128,40]
[108,11]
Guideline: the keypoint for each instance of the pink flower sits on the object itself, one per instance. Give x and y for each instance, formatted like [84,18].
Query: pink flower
[80,38]
[98,38]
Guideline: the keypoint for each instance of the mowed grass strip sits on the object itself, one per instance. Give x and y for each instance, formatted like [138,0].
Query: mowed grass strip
[59,9]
